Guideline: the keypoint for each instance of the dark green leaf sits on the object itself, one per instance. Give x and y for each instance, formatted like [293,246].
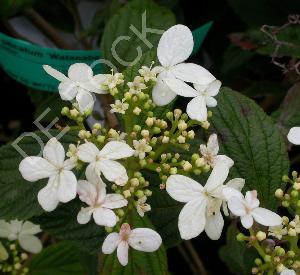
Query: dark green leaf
[59,259]
[118,27]
[62,224]
[236,255]
[251,139]
[18,196]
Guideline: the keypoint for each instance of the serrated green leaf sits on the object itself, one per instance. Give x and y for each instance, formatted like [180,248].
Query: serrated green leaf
[59,259]
[139,263]
[118,26]
[236,255]
[62,224]
[18,196]
[251,139]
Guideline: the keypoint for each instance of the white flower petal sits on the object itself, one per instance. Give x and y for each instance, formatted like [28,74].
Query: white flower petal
[30,243]
[247,221]
[69,164]
[95,84]
[193,73]
[196,109]
[54,152]
[217,177]
[213,145]
[181,88]
[235,204]
[80,72]
[214,87]
[122,253]
[87,152]
[84,215]
[30,229]
[223,159]
[113,171]
[110,243]
[5,229]
[288,272]
[175,45]
[54,73]
[229,192]
[104,217]
[192,219]
[214,226]
[85,100]
[113,201]
[266,217]
[48,198]
[87,192]
[183,189]
[67,90]
[116,150]
[251,199]
[210,101]
[67,186]
[36,168]
[236,183]
[144,239]
[161,93]
[294,135]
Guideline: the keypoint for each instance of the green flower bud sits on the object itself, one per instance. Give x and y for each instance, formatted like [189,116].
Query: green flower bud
[169,115]
[137,128]
[108,229]
[139,193]
[294,194]
[279,193]
[65,111]
[285,178]
[267,258]
[240,237]
[100,139]
[258,261]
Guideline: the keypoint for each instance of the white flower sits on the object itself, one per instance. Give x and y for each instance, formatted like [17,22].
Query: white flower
[23,232]
[3,253]
[112,80]
[141,148]
[104,160]
[119,106]
[137,85]
[210,152]
[93,193]
[248,209]
[62,182]
[79,84]
[288,272]
[175,46]
[142,239]
[147,73]
[294,135]
[119,136]
[278,231]
[142,206]
[202,208]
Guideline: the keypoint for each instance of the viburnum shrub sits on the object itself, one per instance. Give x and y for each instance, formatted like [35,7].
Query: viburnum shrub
[106,169]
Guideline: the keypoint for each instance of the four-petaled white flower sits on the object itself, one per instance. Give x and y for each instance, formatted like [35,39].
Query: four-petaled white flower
[137,85]
[294,135]
[202,209]
[119,106]
[79,84]
[93,192]
[142,239]
[141,148]
[175,46]
[23,232]
[247,208]
[142,206]
[211,150]
[278,231]
[104,160]
[62,183]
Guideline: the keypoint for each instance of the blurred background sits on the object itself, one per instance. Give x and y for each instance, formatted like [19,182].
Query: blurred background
[252,47]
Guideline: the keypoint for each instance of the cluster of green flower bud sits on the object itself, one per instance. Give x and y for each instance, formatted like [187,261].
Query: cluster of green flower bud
[290,195]
[74,113]
[14,262]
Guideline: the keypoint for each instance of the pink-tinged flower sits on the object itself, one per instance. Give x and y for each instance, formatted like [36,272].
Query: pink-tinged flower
[142,239]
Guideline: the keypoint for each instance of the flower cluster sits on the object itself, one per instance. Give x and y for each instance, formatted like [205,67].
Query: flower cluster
[114,161]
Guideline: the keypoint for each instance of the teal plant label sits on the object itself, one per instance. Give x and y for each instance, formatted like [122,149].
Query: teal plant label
[23,60]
